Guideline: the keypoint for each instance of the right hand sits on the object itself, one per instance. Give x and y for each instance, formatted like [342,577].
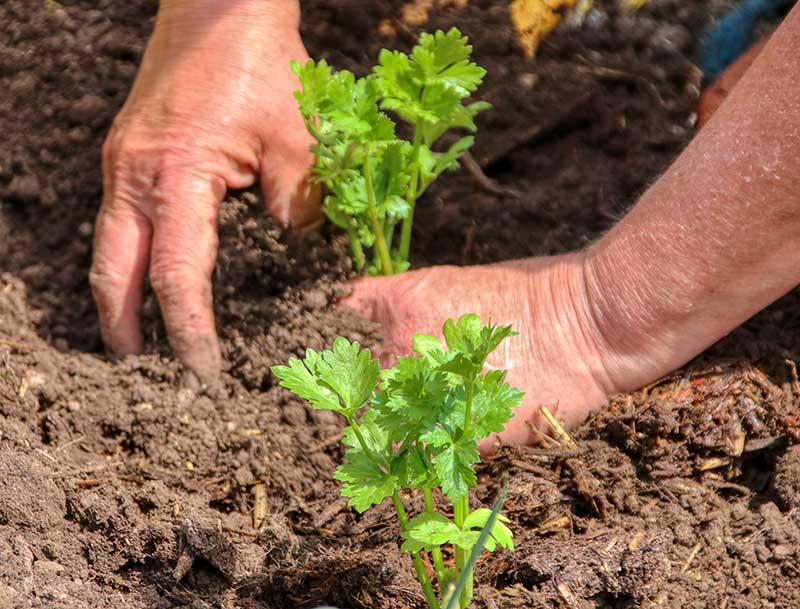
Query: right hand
[211,109]
[560,359]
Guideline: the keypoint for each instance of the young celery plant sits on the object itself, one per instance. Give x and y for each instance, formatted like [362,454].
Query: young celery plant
[426,88]
[415,428]
[373,176]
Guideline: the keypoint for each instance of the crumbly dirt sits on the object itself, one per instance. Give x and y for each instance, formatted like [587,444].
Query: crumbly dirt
[121,488]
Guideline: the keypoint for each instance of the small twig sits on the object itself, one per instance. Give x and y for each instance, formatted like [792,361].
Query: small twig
[555,453]
[51,457]
[330,512]
[562,437]
[89,482]
[528,467]
[720,485]
[485,182]
[713,463]
[614,74]
[545,440]
[86,470]
[566,594]
[259,505]
[528,135]
[239,532]
[326,444]
[635,541]
[793,369]
[691,557]
[18,346]
[71,442]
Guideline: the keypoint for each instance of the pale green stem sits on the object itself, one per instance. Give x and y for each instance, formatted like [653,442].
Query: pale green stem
[364,446]
[461,509]
[356,250]
[438,561]
[468,408]
[377,226]
[416,558]
[419,567]
[408,221]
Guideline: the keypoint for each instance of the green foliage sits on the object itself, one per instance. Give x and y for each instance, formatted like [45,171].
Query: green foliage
[375,178]
[416,427]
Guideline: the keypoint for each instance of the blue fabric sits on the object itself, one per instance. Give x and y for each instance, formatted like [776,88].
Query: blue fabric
[731,35]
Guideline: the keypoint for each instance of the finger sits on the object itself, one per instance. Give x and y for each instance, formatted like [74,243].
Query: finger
[378,299]
[363,298]
[119,260]
[184,210]
[289,194]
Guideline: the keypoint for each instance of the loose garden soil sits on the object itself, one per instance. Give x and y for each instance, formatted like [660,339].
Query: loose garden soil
[119,487]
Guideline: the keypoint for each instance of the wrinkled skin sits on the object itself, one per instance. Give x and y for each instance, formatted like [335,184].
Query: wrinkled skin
[211,109]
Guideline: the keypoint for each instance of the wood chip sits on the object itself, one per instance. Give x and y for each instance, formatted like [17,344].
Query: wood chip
[259,505]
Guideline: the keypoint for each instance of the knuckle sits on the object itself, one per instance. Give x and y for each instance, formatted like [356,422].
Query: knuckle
[104,280]
[177,278]
[138,151]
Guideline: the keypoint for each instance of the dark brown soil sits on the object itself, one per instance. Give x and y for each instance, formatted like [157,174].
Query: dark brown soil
[120,488]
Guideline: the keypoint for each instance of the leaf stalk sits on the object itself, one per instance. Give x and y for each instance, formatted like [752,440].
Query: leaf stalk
[377,225]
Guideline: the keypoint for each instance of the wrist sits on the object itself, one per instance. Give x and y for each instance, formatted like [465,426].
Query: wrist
[272,14]
[650,305]
[563,324]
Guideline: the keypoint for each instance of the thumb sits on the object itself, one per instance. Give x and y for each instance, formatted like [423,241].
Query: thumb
[368,298]
[381,299]
[291,197]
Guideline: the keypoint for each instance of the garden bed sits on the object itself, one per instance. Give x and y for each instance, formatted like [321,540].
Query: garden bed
[121,488]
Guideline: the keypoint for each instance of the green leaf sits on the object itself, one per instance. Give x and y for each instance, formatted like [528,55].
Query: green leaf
[390,180]
[429,348]
[445,57]
[453,460]
[350,371]
[298,378]
[426,87]
[431,530]
[460,365]
[370,473]
[410,468]
[347,374]
[468,337]
[393,76]
[493,404]
[464,334]
[411,399]
[465,115]
[500,532]
[314,79]
[448,47]
[428,530]
[365,483]
[449,159]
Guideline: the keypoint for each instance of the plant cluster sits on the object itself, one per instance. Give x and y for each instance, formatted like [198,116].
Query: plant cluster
[415,428]
[374,177]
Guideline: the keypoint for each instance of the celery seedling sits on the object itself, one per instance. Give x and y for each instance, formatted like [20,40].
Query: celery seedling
[415,428]
[375,177]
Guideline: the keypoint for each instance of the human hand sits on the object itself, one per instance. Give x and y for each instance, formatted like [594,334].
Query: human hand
[211,108]
[560,358]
